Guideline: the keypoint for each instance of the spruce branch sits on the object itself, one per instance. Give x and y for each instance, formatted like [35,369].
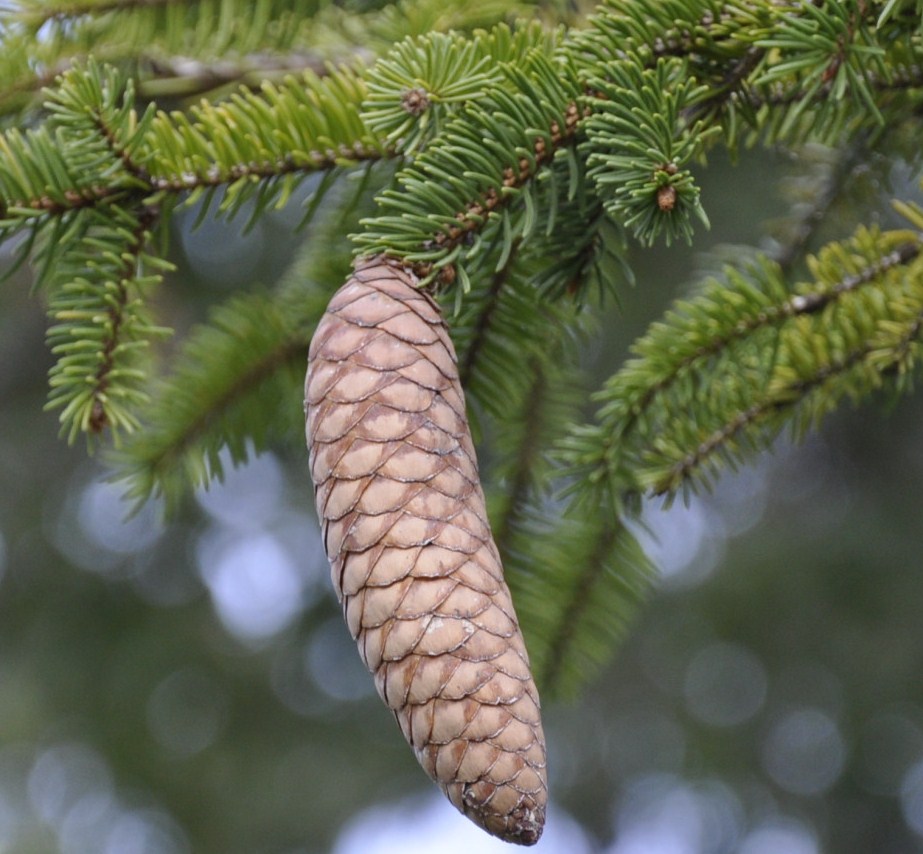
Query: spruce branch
[234,380]
[260,145]
[106,188]
[177,50]
[100,328]
[412,90]
[194,418]
[134,33]
[636,147]
[295,129]
[526,465]
[895,8]
[576,586]
[792,250]
[562,634]
[890,351]
[577,582]
[36,14]
[725,347]
[484,319]
[484,164]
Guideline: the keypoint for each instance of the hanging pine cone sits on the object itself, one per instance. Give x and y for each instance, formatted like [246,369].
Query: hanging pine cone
[411,554]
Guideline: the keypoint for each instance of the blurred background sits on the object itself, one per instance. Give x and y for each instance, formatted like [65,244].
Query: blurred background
[190,686]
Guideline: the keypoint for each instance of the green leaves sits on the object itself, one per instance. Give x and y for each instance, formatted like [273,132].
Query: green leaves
[211,27]
[476,179]
[101,330]
[415,88]
[723,373]
[236,388]
[637,145]
[93,184]
[893,8]
[77,185]
[81,156]
[412,90]
[577,586]
[831,50]
[260,145]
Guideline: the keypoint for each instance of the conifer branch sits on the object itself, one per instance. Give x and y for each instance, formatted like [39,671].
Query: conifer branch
[526,465]
[569,618]
[237,376]
[628,447]
[763,316]
[792,251]
[100,328]
[181,49]
[787,396]
[172,459]
[181,155]
[262,349]
[577,583]
[462,222]
[484,318]
[99,418]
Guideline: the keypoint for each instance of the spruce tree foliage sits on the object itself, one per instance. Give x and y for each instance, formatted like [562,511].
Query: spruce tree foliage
[510,165]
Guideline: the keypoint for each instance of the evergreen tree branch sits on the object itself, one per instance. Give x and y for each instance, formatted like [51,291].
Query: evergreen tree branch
[577,583]
[753,326]
[571,616]
[793,250]
[769,315]
[236,377]
[36,15]
[526,465]
[181,49]
[484,319]
[180,155]
[117,321]
[263,350]
[470,201]
[99,326]
[892,354]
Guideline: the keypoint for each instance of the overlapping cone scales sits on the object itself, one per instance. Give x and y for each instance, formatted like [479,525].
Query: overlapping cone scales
[411,552]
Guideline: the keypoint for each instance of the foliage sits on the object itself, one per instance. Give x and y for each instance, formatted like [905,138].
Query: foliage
[513,167]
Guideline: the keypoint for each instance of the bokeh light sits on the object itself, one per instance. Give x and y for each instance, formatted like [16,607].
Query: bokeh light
[334,663]
[890,742]
[103,516]
[422,826]
[663,814]
[64,798]
[781,836]
[911,795]
[680,542]
[804,752]
[94,528]
[257,587]
[249,496]
[187,711]
[725,684]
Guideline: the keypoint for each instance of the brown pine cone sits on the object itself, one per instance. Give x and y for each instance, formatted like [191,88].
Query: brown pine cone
[411,554]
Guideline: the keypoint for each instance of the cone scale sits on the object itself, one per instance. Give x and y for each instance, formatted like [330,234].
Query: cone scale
[411,554]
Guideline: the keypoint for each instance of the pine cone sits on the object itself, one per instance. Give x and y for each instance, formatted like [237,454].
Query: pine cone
[411,553]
